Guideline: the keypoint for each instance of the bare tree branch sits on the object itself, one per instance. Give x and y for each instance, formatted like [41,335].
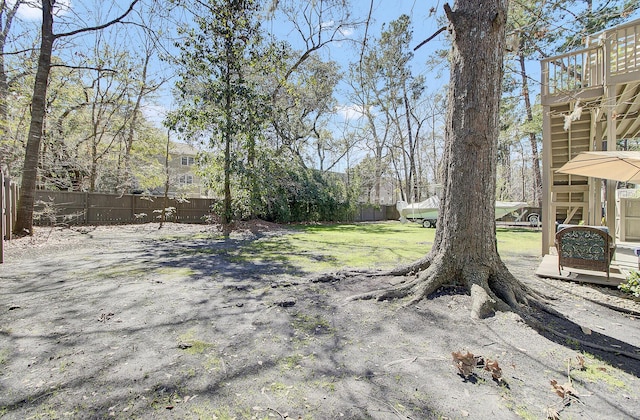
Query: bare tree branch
[98,27]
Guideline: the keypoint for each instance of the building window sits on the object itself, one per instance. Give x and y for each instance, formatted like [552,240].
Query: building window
[188,160]
[186,179]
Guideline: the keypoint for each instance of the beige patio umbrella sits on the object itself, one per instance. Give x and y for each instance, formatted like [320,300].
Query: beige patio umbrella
[621,166]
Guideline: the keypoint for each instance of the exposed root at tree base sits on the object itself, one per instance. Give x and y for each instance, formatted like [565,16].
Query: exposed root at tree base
[534,323]
[491,288]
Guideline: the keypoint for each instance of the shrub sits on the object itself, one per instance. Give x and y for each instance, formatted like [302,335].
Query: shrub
[632,285]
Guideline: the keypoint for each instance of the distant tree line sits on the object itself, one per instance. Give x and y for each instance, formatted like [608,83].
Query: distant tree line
[275,116]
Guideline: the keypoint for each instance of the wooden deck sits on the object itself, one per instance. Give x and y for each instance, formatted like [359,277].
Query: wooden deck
[591,100]
[549,269]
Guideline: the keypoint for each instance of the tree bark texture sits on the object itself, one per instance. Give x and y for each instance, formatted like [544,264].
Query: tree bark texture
[24,222]
[465,251]
[467,222]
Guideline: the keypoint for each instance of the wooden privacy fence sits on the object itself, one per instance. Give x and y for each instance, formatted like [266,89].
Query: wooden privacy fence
[83,208]
[8,194]
[78,208]
[65,208]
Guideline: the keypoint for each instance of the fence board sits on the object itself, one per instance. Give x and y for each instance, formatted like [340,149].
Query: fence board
[83,208]
[76,208]
[8,192]
[3,215]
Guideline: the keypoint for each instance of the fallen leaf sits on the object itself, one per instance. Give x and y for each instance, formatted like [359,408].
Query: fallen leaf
[581,362]
[492,366]
[564,391]
[552,414]
[464,362]
[585,330]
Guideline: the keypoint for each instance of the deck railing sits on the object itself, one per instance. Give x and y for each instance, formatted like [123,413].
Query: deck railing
[624,48]
[611,53]
[573,71]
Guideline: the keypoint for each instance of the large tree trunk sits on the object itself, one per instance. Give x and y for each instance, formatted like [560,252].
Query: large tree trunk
[464,251]
[24,222]
[465,245]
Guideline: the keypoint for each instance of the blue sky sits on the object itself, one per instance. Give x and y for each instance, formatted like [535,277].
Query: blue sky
[424,23]
[384,11]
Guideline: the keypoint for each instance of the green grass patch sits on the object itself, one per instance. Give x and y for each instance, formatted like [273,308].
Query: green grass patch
[116,271]
[598,371]
[195,346]
[519,241]
[174,272]
[364,245]
[311,324]
[4,356]
[326,247]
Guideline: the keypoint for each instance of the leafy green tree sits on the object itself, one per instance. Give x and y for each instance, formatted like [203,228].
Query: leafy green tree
[139,136]
[464,250]
[8,12]
[389,95]
[24,221]
[15,68]
[571,21]
[217,92]
[301,106]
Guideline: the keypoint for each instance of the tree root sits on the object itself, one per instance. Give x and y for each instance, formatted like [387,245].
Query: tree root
[405,270]
[543,327]
[491,288]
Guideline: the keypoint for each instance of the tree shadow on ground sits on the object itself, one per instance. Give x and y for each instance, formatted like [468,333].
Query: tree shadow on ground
[180,328]
[216,256]
[115,335]
[615,352]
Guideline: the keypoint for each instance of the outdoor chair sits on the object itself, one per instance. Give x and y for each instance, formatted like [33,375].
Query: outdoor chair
[584,247]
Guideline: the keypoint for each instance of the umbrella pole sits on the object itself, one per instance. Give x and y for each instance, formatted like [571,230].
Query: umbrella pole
[611,208]
[595,202]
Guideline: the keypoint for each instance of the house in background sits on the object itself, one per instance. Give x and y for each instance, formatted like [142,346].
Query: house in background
[183,178]
[591,102]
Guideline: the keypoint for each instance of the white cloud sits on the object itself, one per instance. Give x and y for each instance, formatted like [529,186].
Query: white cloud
[346,32]
[327,24]
[350,112]
[32,11]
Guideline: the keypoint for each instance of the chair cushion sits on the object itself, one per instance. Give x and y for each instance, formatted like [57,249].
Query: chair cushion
[562,226]
[583,244]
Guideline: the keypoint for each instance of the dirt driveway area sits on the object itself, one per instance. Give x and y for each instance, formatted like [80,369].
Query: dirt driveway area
[136,322]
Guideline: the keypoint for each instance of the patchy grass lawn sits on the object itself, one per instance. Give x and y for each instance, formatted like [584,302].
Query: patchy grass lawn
[366,245]
[136,322]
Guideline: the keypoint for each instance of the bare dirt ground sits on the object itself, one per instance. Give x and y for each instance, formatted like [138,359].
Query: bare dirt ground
[136,322]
